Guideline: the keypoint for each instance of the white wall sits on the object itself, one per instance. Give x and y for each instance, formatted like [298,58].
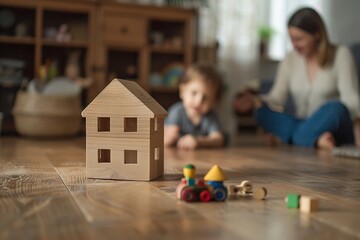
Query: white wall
[237,56]
[341,17]
[343,21]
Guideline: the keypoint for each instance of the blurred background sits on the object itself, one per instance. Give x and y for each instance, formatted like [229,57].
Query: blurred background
[56,56]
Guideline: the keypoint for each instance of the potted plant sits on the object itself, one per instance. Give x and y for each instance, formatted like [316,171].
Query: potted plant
[265,34]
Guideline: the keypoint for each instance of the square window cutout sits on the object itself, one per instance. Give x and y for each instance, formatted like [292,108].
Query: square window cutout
[103,124]
[156,127]
[104,155]
[130,124]
[157,154]
[130,156]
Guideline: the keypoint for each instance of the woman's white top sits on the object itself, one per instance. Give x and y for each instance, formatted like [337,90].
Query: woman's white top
[336,82]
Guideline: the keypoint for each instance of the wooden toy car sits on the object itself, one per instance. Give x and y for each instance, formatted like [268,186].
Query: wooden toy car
[200,192]
[192,190]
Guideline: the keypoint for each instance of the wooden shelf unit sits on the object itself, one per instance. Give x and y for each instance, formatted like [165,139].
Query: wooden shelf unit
[133,27]
[34,49]
[40,16]
[114,40]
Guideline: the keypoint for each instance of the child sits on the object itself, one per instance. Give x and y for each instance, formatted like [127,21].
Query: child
[193,122]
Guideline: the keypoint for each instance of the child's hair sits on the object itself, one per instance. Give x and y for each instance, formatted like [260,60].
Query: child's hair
[207,72]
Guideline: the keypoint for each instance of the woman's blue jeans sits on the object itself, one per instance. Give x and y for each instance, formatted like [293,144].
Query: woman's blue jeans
[331,117]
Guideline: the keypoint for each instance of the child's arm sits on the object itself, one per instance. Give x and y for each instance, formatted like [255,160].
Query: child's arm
[190,142]
[215,139]
[171,134]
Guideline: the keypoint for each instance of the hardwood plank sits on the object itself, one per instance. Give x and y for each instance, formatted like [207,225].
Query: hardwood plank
[77,176]
[76,158]
[288,165]
[47,153]
[234,214]
[44,193]
[30,185]
[186,228]
[37,177]
[34,202]
[126,201]
[43,218]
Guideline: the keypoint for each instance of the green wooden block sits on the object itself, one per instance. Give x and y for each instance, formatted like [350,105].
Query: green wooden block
[293,200]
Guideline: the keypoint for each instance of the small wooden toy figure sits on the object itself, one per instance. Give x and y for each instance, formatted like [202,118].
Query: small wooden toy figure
[305,203]
[245,189]
[216,178]
[189,172]
[192,190]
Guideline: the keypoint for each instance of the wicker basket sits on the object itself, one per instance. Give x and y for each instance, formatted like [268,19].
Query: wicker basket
[47,116]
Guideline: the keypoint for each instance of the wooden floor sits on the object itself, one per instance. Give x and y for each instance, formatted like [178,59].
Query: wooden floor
[44,194]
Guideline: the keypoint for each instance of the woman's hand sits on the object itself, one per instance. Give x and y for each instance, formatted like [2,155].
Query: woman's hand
[244,102]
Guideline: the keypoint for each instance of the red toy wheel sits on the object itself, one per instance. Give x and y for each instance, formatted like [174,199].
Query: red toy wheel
[205,196]
[188,195]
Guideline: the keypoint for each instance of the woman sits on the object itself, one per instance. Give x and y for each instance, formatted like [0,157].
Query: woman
[322,80]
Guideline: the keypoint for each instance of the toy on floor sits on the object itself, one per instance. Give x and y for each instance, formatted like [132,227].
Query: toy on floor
[245,189]
[195,190]
[124,134]
[305,203]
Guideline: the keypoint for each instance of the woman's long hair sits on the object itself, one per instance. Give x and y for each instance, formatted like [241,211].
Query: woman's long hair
[308,20]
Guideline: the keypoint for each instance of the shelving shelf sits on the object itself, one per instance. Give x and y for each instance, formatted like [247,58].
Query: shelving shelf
[156,49]
[72,43]
[17,40]
[39,15]
[161,38]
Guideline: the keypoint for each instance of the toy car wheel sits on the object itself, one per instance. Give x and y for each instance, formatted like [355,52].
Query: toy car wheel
[220,194]
[205,196]
[260,193]
[188,195]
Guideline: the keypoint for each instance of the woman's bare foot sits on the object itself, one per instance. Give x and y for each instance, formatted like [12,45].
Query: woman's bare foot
[326,141]
[271,139]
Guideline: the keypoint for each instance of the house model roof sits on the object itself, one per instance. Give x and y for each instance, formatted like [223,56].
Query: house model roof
[124,98]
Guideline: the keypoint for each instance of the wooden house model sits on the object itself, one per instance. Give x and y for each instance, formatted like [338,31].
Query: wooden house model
[124,134]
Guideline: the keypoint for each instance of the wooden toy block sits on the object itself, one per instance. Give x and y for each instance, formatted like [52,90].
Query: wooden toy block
[124,134]
[308,204]
[293,200]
